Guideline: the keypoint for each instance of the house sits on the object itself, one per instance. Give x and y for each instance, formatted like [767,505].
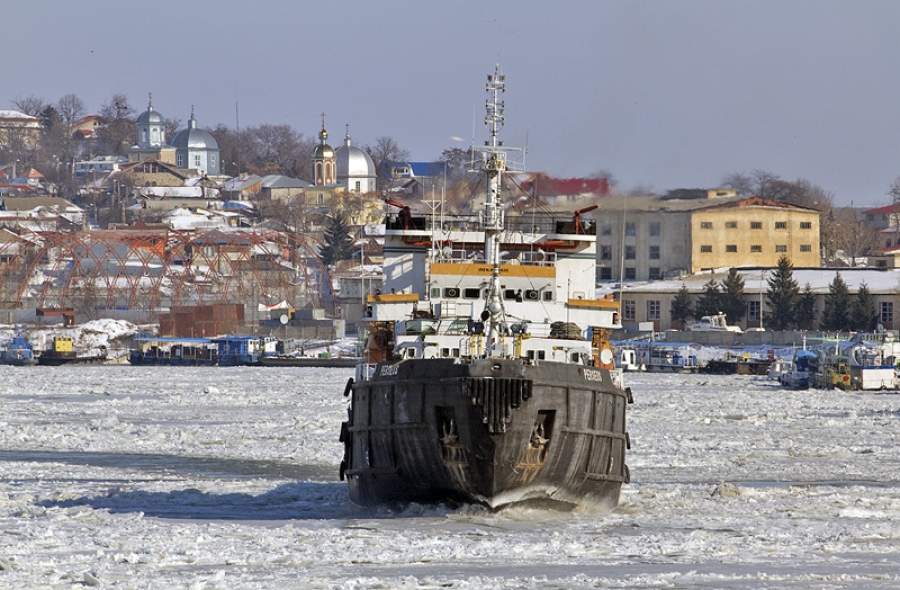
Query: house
[651,237]
[414,179]
[151,173]
[196,219]
[242,187]
[41,214]
[883,217]
[98,167]
[560,191]
[887,257]
[18,130]
[283,188]
[87,128]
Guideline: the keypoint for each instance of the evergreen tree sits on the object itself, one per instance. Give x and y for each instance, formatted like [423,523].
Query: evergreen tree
[710,301]
[805,309]
[863,317]
[682,306]
[781,296]
[731,300]
[836,315]
[338,243]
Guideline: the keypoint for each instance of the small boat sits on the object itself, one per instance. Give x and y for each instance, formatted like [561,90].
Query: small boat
[488,375]
[242,350]
[778,368]
[630,360]
[18,352]
[737,365]
[713,323]
[799,373]
[661,357]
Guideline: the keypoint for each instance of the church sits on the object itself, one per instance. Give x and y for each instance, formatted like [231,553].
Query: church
[348,168]
[190,149]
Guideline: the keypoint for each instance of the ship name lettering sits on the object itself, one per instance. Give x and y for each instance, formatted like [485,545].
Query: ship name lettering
[593,374]
[389,370]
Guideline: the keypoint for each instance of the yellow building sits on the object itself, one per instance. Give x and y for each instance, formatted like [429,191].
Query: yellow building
[753,232]
[652,238]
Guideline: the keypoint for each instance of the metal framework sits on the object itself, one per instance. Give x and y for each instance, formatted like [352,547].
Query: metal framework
[151,269]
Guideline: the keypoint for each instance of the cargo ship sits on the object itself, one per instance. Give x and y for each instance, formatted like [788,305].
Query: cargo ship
[487,375]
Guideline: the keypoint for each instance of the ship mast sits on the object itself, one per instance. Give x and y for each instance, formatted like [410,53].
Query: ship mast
[494,162]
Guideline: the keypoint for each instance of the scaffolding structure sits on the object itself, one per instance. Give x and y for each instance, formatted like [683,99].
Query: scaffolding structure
[153,270]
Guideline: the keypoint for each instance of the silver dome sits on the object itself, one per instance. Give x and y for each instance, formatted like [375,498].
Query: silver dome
[150,117]
[194,138]
[352,162]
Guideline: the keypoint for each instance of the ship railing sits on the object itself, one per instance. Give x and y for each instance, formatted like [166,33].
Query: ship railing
[365,371]
[527,223]
[533,257]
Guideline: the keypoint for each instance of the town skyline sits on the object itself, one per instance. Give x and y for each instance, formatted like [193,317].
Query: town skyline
[660,95]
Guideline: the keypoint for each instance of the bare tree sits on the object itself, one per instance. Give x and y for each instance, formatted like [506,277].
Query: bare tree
[738,181]
[764,183]
[852,236]
[459,161]
[171,127]
[70,109]
[894,194]
[118,107]
[280,146]
[31,105]
[385,150]
[119,132]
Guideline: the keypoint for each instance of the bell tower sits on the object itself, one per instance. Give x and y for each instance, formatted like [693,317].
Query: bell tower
[323,160]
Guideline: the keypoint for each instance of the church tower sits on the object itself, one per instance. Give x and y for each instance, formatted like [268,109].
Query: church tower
[151,130]
[151,138]
[323,160]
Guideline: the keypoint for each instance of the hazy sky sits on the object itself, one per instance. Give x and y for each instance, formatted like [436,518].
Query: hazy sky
[662,94]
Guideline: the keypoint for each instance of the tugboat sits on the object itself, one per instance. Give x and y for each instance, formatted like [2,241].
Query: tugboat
[487,375]
[62,352]
[18,352]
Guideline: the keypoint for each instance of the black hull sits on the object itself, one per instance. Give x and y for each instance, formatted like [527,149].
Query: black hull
[171,361]
[493,432]
[56,361]
[287,361]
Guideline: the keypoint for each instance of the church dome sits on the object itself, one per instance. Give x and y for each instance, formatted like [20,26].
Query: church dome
[194,138]
[353,162]
[323,151]
[150,117]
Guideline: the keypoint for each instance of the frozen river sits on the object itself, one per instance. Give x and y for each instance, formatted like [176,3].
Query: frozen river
[226,478]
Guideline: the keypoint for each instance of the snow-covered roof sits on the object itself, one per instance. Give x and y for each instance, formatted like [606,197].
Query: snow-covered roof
[819,279]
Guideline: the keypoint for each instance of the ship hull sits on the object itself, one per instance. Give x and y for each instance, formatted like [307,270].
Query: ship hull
[57,361]
[493,432]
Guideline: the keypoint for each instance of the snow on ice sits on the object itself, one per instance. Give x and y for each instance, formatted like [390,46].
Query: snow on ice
[115,476]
